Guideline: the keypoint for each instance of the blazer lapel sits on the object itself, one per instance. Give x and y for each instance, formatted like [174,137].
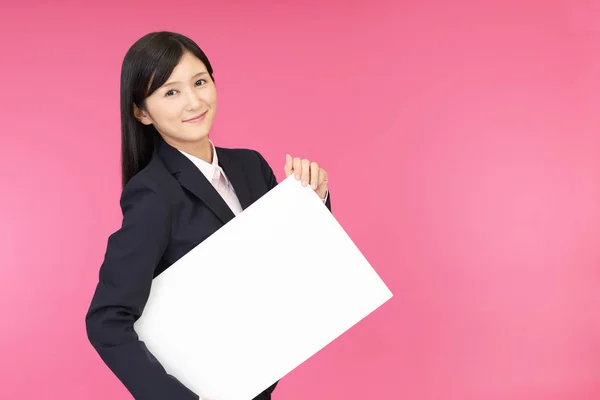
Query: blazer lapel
[194,181]
[237,177]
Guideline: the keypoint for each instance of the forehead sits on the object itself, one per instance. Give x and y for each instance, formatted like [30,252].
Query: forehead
[188,66]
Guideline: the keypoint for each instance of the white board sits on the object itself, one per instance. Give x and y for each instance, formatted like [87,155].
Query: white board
[259,297]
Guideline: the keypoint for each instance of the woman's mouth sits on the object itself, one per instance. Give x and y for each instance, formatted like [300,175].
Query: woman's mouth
[197,118]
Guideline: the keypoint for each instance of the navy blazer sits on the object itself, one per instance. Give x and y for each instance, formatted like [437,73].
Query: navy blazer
[168,209]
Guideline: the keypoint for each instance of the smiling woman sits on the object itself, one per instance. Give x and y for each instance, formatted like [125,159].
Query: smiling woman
[178,189]
[183,108]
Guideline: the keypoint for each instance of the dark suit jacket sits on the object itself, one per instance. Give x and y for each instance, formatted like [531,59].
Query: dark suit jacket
[168,208]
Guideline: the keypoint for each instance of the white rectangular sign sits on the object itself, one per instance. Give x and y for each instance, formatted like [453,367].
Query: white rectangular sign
[259,297]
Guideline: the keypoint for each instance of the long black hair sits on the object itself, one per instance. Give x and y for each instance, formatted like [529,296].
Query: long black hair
[146,67]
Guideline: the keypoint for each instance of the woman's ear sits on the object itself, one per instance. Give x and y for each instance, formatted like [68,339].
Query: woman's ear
[141,115]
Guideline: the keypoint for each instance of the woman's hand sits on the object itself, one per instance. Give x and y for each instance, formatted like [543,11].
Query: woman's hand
[309,172]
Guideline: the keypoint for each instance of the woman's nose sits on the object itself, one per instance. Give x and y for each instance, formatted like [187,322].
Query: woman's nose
[194,100]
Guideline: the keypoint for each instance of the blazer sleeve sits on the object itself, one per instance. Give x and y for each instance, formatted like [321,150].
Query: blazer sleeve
[267,172]
[122,291]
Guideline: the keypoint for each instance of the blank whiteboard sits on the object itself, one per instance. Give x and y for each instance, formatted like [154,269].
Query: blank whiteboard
[259,296]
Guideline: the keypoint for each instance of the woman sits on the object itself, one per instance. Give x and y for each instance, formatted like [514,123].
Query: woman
[178,189]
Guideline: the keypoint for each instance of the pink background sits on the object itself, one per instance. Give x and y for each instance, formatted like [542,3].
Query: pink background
[463,145]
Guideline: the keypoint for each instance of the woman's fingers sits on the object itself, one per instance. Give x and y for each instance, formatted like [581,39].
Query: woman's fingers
[314,175]
[289,165]
[297,164]
[305,172]
[309,172]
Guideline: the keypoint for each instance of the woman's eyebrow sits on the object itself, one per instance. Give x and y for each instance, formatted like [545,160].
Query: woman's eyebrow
[174,82]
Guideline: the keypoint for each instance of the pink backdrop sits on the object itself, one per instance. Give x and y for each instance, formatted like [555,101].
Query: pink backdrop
[463,146]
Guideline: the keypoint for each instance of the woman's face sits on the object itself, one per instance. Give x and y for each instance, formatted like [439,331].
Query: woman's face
[182,110]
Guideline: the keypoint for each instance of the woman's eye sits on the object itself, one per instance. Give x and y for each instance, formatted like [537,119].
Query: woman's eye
[170,93]
[200,80]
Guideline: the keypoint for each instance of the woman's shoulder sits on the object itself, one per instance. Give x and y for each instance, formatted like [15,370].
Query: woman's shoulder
[237,151]
[242,155]
[152,179]
[252,162]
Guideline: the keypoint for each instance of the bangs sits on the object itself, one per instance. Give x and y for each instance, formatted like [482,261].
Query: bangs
[152,65]
[161,65]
